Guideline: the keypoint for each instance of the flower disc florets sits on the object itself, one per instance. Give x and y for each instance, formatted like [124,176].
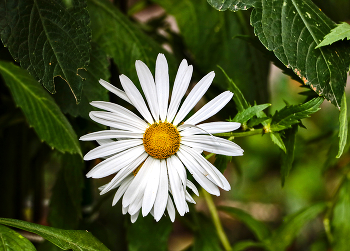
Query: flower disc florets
[161,140]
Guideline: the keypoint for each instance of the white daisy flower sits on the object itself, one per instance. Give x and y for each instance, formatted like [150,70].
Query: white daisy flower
[150,156]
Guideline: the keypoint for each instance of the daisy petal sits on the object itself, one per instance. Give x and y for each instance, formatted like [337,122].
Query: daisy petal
[111,134]
[171,209]
[134,217]
[213,144]
[135,206]
[135,97]
[124,210]
[122,189]
[191,186]
[122,174]
[121,94]
[182,80]
[162,195]
[119,110]
[104,141]
[179,167]
[195,169]
[151,188]
[138,184]
[121,119]
[211,127]
[177,188]
[148,87]
[111,121]
[162,85]
[210,108]
[204,164]
[195,95]
[112,148]
[115,163]
[189,198]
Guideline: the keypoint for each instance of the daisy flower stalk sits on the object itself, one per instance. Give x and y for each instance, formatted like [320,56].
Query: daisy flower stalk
[149,156]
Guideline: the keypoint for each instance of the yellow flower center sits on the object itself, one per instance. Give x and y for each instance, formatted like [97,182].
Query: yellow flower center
[161,140]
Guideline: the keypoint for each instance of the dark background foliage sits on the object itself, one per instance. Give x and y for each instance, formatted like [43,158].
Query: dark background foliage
[290,190]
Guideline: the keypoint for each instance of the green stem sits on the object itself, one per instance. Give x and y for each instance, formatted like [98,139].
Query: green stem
[326,219]
[215,216]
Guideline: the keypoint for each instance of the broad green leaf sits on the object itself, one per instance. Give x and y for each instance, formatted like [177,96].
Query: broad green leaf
[221,162]
[40,109]
[209,36]
[291,29]
[77,240]
[288,157]
[341,32]
[206,238]
[291,226]
[248,113]
[343,126]
[291,115]
[232,5]
[124,41]
[341,218]
[92,91]
[276,138]
[10,240]
[244,245]
[48,39]
[238,98]
[65,203]
[259,229]
[147,234]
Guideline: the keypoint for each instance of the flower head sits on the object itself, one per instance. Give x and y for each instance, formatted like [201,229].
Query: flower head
[150,156]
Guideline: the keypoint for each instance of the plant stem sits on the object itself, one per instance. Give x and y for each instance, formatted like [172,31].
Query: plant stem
[328,215]
[215,216]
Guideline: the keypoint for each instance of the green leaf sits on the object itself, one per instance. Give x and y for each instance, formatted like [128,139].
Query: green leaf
[292,225]
[238,98]
[291,29]
[123,41]
[256,121]
[248,113]
[65,203]
[341,218]
[48,39]
[259,229]
[92,91]
[291,115]
[276,138]
[343,126]
[244,245]
[147,234]
[341,32]
[40,109]
[288,157]
[77,240]
[10,240]
[208,35]
[221,162]
[232,5]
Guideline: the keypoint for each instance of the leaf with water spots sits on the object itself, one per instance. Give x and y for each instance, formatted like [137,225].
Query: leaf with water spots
[292,29]
[48,38]
[232,5]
